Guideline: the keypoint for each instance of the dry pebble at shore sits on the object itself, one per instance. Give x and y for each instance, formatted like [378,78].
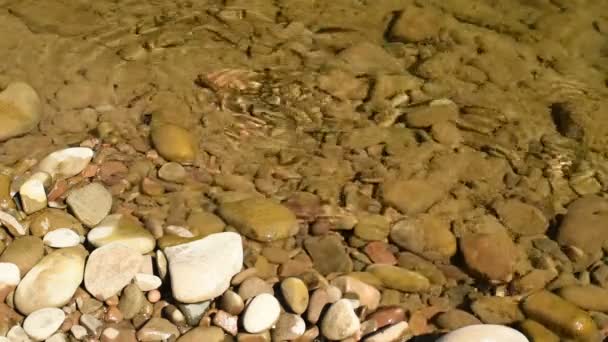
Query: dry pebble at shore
[261,313]
[110,268]
[61,238]
[43,323]
[90,204]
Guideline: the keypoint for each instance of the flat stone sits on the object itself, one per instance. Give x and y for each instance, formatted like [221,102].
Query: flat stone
[67,162]
[118,228]
[110,268]
[194,312]
[202,223]
[295,293]
[147,282]
[61,238]
[454,319]
[51,219]
[328,254]
[260,219]
[492,256]
[172,172]
[9,274]
[412,196]
[219,255]
[400,279]
[261,314]
[497,310]
[58,337]
[90,204]
[207,334]
[425,235]
[229,323]
[25,252]
[560,315]
[521,218]
[53,281]
[43,323]
[585,225]
[395,332]
[232,303]
[174,143]
[372,227]
[340,321]
[92,324]
[484,332]
[157,329]
[20,110]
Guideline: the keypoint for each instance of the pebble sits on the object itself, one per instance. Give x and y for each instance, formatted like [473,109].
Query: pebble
[387,316]
[67,162]
[454,319]
[260,219]
[90,204]
[492,256]
[367,294]
[560,315]
[426,235]
[395,332]
[584,225]
[521,218]
[32,192]
[110,268]
[58,337]
[379,253]
[147,282]
[329,254]
[295,294]
[372,227]
[43,323]
[400,279]
[157,329]
[61,238]
[174,143]
[261,314]
[203,223]
[412,196]
[78,331]
[319,299]
[118,228]
[340,321]
[206,334]
[12,224]
[172,172]
[232,303]
[25,252]
[9,274]
[484,332]
[288,327]
[131,302]
[254,286]
[8,318]
[53,281]
[194,312]
[537,332]
[92,324]
[588,297]
[18,334]
[226,321]
[20,110]
[220,255]
[50,219]
[497,310]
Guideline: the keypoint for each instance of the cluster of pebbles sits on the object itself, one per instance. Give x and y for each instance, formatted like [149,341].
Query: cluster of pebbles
[254,171]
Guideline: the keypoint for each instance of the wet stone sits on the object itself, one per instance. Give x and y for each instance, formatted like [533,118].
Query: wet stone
[260,219]
[210,334]
[395,332]
[454,319]
[537,332]
[367,294]
[50,219]
[372,227]
[174,143]
[489,255]
[411,196]
[172,172]
[498,333]
[400,279]
[20,110]
[328,254]
[295,294]
[193,312]
[232,303]
[585,224]
[521,218]
[430,115]
[25,252]
[380,253]
[413,262]
[425,235]
[497,310]
[588,297]
[203,223]
[387,316]
[157,329]
[43,323]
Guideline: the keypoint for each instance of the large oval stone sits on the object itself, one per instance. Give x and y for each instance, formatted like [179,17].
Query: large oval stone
[20,110]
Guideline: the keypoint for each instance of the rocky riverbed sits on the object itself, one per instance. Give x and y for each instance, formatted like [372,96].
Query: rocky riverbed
[239,170]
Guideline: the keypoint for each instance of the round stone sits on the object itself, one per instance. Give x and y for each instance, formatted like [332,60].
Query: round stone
[484,332]
[43,323]
[261,314]
[9,274]
[296,295]
[340,321]
[61,238]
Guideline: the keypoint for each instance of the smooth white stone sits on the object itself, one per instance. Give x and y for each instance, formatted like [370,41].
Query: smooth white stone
[9,274]
[17,334]
[116,228]
[61,238]
[484,333]
[110,268]
[147,282]
[33,193]
[11,222]
[67,162]
[43,323]
[261,314]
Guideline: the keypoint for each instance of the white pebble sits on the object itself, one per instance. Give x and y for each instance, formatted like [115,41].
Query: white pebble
[147,282]
[78,331]
[33,195]
[67,162]
[17,334]
[11,222]
[58,337]
[262,313]
[484,333]
[9,274]
[43,323]
[61,238]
